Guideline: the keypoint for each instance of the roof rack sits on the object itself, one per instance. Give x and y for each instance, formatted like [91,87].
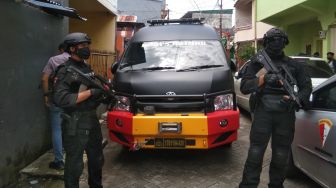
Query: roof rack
[180,21]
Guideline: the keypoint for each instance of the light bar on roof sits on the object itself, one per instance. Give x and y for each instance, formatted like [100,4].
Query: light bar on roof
[186,21]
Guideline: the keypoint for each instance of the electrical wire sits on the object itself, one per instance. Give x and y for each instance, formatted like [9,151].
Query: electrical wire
[200,12]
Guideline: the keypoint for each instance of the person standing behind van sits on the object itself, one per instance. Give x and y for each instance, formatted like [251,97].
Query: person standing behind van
[331,61]
[316,54]
[55,119]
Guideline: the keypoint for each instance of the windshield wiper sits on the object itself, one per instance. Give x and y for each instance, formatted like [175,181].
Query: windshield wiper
[156,68]
[199,67]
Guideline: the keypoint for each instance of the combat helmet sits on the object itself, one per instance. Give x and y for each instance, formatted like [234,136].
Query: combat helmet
[275,32]
[76,38]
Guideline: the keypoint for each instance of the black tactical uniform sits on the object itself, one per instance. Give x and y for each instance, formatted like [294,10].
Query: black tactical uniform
[80,127]
[273,116]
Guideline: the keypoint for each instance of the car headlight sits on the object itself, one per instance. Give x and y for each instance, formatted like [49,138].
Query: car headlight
[223,102]
[122,104]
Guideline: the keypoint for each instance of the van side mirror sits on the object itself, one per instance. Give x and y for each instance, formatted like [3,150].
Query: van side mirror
[114,67]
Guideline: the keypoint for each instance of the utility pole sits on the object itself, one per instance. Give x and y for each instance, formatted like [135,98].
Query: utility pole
[164,10]
[220,19]
[168,14]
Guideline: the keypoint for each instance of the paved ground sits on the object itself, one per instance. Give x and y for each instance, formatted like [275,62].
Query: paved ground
[221,167]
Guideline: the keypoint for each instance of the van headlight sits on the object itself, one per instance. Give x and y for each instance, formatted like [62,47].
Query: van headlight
[122,104]
[223,102]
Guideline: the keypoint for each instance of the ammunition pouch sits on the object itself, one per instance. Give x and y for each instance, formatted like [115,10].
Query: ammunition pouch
[274,103]
[291,105]
[71,123]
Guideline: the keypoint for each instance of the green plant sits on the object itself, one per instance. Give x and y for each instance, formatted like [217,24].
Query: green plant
[246,52]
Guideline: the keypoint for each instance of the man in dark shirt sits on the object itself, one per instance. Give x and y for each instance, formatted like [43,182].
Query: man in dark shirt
[80,126]
[331,61]
[274,111]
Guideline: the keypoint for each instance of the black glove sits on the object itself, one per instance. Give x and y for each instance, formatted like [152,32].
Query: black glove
[272,80]
[96,93]
[110,100]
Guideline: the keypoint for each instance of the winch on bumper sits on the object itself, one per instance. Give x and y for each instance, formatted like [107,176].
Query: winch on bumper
[174,130]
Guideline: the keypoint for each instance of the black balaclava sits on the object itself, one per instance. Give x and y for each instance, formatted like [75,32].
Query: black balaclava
[275,45]
[275,41]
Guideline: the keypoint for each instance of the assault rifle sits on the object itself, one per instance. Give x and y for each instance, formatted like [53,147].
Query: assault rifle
[263,58]
[90,81]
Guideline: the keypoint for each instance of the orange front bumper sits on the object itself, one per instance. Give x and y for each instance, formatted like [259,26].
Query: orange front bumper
[198,131]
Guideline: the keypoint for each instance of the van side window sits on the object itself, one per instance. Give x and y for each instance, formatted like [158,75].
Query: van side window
[326,99]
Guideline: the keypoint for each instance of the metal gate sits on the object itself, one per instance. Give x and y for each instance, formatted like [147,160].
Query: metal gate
[101,61]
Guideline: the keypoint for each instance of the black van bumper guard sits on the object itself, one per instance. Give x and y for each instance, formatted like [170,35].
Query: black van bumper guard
[134,98]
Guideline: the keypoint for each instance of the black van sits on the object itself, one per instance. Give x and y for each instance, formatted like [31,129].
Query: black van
[174,89]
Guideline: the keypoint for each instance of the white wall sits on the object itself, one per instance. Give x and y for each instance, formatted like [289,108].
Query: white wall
[262,28]
[244,35]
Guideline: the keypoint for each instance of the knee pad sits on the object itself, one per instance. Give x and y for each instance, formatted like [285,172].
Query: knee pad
[256,155]
[280,157]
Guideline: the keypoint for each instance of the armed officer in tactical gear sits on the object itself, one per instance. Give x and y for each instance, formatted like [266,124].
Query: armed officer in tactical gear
[81,129]
[274,110]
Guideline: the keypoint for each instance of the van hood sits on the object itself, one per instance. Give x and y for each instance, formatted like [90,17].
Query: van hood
[181,83]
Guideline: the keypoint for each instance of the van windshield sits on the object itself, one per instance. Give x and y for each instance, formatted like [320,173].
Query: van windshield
[174,55]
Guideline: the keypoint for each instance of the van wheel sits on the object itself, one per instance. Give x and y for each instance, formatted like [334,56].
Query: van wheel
[292,171]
